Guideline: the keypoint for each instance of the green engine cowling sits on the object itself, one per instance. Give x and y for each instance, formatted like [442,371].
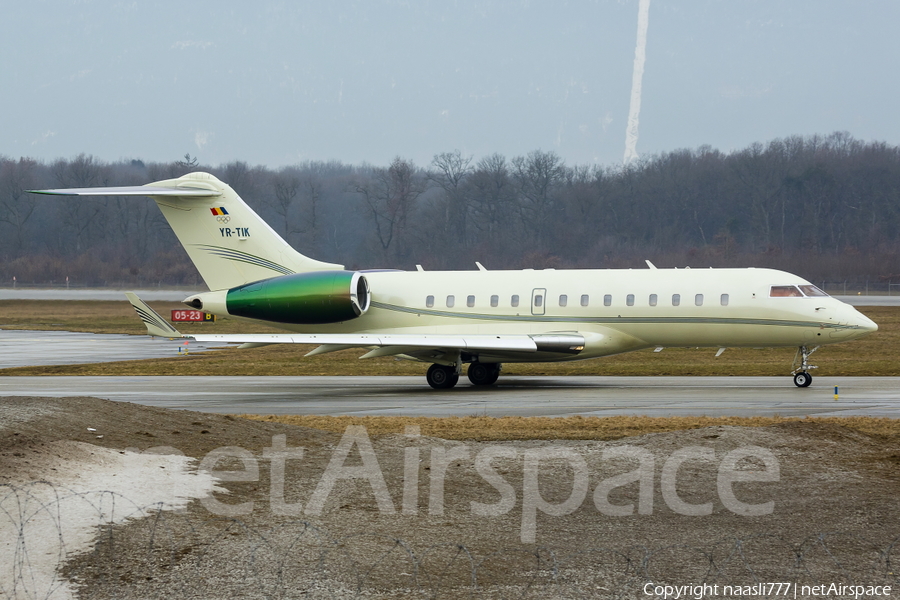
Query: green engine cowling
[311,298]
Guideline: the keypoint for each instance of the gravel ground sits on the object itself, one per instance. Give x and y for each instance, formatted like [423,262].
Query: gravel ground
[407,516]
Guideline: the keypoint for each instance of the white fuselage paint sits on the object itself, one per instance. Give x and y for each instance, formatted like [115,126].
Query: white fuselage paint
[751,317]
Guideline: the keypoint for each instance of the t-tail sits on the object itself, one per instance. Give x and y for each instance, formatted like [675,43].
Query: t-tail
[227,241]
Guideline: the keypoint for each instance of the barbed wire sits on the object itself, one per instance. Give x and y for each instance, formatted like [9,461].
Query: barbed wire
[171,553]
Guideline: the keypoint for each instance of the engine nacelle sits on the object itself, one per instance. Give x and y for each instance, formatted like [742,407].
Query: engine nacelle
[312,298]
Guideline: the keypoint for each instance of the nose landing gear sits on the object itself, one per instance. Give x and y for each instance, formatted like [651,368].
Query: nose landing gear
[802,378]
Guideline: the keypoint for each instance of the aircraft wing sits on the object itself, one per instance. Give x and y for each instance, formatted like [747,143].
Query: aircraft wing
[406,342]
[393,343]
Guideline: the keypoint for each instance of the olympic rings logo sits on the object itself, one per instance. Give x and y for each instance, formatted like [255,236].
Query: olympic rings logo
[223,219]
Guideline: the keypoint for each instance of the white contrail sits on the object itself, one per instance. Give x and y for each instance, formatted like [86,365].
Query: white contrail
[640,55]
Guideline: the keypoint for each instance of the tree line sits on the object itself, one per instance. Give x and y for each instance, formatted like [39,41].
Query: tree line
[824,207]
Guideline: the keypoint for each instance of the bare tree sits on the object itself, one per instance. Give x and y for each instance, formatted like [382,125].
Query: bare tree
[773,204]
[451,171]
[536,177]
[17,206]
[286,184]
[81,214]
[186,165]
[390,196]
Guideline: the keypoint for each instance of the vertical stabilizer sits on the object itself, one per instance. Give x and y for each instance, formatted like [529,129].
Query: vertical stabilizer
[227,241]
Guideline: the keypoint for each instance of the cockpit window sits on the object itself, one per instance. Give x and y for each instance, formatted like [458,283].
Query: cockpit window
[785,291]
[811,290]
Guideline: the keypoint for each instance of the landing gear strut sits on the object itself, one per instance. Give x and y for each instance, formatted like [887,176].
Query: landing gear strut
[802,378]
[441,377]
[484,373]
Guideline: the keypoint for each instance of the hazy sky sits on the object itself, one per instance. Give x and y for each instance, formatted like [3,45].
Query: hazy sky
[275,83]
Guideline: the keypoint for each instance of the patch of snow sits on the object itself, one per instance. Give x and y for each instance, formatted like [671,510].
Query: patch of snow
[66,493]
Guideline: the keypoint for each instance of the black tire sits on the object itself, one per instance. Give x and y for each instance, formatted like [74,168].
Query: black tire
[484,373]
[802,379]
[440,377]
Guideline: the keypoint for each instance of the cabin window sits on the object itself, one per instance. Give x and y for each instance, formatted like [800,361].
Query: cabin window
[652,299]
[698,300]
[811,290]
[785,291]
[723,299]
[538,300]
[429,301]
[607,300]
[495,300]
[676,299]
[450,301]
[514,301]
[470,301]
[629,299]
[585,299]
[563,299]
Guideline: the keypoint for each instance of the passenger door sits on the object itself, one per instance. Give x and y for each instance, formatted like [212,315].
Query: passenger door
[538,301]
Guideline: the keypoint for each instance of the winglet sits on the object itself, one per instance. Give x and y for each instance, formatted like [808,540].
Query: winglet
[156,325]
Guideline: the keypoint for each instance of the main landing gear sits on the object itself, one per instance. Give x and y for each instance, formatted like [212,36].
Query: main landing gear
[802,378]
[442,377]
[484,373]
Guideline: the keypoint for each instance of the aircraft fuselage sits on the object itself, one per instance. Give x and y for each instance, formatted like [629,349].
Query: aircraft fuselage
[616,310]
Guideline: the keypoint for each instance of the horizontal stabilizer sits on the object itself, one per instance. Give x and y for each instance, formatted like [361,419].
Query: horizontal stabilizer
[156,325]
[136,190]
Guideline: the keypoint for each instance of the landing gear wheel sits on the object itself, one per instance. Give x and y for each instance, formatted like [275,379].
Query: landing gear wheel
[484,373]
[440,377]
[802,379]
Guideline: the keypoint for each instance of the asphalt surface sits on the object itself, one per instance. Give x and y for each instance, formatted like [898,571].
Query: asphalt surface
[520,396]
[20,348]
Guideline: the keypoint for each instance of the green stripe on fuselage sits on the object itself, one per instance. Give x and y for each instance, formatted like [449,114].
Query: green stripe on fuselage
[609,320]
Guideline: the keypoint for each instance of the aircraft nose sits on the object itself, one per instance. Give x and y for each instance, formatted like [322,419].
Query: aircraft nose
[851,324]
[861,324]
[866,324]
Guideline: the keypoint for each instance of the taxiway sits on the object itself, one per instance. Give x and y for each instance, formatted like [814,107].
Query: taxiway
[20,348]
[512,396]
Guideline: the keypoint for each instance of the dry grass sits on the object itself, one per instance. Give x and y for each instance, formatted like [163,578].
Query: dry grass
[873,355]
[567,428]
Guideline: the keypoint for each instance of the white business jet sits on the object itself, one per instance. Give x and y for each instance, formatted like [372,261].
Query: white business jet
[477,318]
